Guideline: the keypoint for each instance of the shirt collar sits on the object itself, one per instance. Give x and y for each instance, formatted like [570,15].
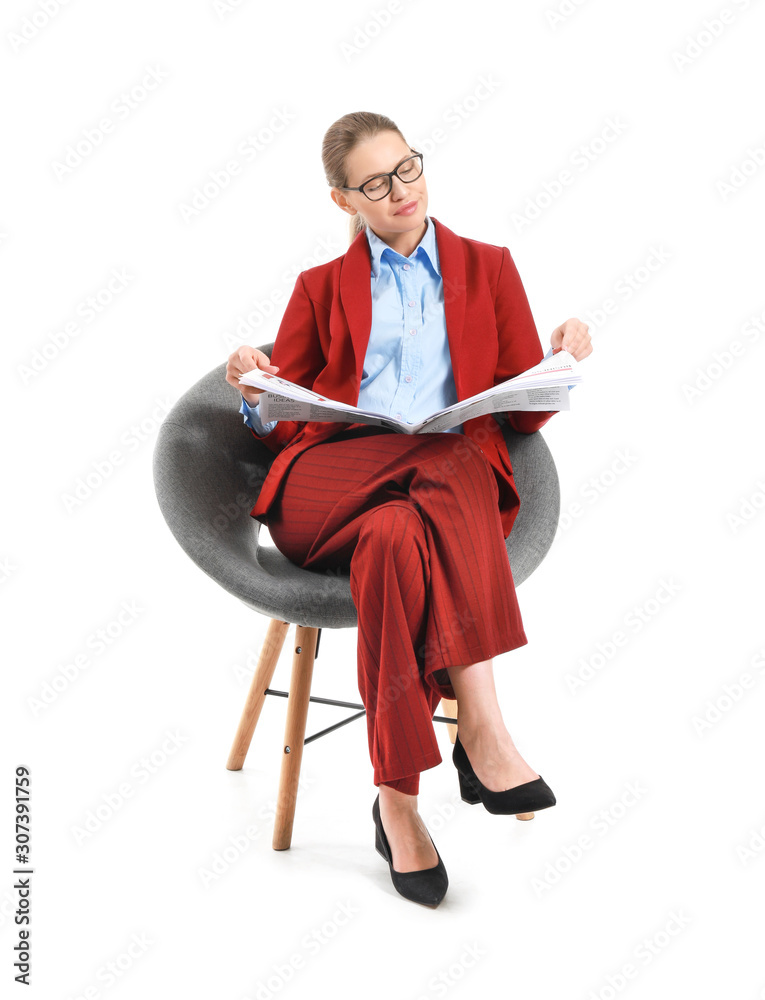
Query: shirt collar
[427,247]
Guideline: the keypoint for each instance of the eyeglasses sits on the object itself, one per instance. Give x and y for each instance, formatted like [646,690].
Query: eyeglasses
[379,186]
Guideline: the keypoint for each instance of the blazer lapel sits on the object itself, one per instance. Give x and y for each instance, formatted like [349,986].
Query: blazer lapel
[356,300]
[451,257]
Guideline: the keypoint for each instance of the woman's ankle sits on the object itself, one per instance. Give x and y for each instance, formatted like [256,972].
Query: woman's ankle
[492,730]
[392,797]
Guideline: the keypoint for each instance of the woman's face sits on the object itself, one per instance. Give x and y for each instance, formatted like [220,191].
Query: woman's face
[379,155]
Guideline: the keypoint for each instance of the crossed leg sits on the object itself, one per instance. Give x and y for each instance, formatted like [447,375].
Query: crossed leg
[416,520]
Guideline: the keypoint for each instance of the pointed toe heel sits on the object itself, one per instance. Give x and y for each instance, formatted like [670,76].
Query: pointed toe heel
[427,886]
[521,801]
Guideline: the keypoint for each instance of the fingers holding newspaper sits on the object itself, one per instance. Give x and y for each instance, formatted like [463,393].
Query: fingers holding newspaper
[572,336]
[247,359]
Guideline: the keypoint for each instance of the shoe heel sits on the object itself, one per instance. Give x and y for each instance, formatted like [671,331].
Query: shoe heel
[524,815]
[467,791]
[379,846]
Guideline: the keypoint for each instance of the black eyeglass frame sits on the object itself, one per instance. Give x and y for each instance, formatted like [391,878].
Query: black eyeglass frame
[389,176]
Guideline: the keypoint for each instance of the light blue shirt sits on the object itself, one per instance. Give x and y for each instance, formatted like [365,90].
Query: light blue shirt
[407,372]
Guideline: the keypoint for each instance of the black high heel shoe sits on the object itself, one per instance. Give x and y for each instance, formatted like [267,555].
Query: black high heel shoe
[427,886]
[521,801]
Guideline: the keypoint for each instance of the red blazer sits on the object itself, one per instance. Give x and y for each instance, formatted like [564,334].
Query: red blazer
[322,340]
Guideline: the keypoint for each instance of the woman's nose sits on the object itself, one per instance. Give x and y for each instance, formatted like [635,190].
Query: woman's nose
[398,190]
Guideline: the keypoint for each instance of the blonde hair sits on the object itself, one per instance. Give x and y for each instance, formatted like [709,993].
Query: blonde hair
[340,139]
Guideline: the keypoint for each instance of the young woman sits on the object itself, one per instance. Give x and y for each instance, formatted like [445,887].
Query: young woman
[412,318]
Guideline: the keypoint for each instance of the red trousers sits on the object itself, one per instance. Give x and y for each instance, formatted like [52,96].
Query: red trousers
[415,518]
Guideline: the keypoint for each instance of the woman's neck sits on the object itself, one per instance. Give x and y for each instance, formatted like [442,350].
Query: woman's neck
[403,243]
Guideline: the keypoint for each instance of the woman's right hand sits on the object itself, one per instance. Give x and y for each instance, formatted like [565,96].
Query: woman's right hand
[247,359]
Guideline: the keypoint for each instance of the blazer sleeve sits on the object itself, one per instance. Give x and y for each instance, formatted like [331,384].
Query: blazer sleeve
[297,351]
[519,344]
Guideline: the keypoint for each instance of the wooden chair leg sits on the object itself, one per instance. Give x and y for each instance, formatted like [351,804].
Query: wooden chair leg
[306,639]
[449,708]
[269,655]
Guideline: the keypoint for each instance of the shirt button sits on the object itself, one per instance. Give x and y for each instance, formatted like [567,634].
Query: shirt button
[409,378]
[406,267]
[411,302]
[413,332]
[398,416]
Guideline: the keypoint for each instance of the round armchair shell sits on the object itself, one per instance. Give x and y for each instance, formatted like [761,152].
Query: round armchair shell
[208,471]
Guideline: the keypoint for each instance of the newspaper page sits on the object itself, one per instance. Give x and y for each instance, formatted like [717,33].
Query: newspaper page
[543,387]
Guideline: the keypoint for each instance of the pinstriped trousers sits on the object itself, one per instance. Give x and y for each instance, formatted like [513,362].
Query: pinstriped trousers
[416,521]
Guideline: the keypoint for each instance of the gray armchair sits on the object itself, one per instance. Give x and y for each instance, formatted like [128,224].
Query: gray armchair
[208,471]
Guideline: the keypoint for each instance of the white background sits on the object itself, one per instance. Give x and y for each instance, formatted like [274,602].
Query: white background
[501,98]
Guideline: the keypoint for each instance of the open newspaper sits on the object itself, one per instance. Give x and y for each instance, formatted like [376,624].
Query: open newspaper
[543,387]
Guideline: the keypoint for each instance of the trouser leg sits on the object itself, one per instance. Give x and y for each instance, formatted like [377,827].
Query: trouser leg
[390,584]
[442,595]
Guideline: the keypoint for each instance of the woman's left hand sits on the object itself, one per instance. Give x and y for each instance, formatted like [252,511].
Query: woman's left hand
[572,336]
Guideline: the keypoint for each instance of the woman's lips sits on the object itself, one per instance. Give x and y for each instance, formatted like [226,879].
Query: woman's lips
[407,209]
